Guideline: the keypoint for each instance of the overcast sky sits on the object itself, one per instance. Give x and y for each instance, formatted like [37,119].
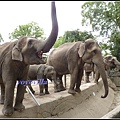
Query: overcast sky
[15,13]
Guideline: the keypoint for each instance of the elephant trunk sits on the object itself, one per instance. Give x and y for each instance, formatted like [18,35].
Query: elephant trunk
[117,63]
[101,69]
[54,32]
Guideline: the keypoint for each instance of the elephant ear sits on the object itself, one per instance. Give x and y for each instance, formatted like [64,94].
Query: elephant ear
[81,50]
[91,46]
[46,71]
[16,54]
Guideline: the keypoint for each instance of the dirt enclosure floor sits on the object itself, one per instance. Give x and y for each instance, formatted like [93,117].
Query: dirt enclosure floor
[87,104]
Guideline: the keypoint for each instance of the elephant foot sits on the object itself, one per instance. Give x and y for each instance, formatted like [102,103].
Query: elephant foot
[59,89]
[77,90]
[87,81]
[56,90]
[70,91]
[1,101]
[41,94]
[33,92]
[19,107]
[96,82]
[8,111]
[62,88]
[47,92]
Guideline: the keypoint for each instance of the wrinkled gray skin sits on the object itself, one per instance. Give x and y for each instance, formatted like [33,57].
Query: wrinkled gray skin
[15,58]
[110,62]
[69,58]
[42,72]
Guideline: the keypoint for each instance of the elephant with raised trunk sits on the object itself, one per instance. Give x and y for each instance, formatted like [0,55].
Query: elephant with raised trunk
[15,58]
[69,58]
[41,73]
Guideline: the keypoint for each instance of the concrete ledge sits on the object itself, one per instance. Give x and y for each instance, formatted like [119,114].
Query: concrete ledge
[115,113]
[87,104]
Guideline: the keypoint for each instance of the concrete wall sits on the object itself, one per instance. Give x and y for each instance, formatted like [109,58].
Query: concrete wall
[87,104]
[115,113]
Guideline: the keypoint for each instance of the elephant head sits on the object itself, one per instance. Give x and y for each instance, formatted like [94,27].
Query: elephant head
[112,62]
[90,52]
[51,74]
[31,49]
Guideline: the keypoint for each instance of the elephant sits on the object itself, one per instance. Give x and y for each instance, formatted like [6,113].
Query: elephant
[88,68]
[15,58]
[41,73]
[110,62]
[69,58]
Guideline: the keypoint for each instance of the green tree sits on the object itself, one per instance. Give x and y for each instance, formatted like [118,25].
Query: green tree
[73,36]
[104,17]
[114,44]
[30,29]
[58,42]
[1,38]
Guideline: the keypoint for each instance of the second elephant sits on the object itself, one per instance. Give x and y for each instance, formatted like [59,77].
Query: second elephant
[41,73]
[69,58]
[110,62]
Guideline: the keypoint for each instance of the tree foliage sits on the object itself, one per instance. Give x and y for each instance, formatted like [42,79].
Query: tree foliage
[114,45]
[104,17]
[30,29]
[73,36]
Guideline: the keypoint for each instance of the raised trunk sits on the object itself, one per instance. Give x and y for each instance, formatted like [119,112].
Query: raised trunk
[101,69]
[54,32]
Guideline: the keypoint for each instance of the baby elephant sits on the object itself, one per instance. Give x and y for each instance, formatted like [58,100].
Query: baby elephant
[41,73]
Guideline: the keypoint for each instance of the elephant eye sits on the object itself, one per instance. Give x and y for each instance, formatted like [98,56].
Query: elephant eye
[30,42]
[95,51]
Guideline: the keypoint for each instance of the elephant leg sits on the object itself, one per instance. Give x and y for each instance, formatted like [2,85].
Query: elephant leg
[56,88]
[19,98]
[73,80]
[46,86]
[60,87]
[26,90]
[41,88]
[30,87]
[40,79]
[2,94]
[97,76]
[9,96]
[78,82]
[87,77]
